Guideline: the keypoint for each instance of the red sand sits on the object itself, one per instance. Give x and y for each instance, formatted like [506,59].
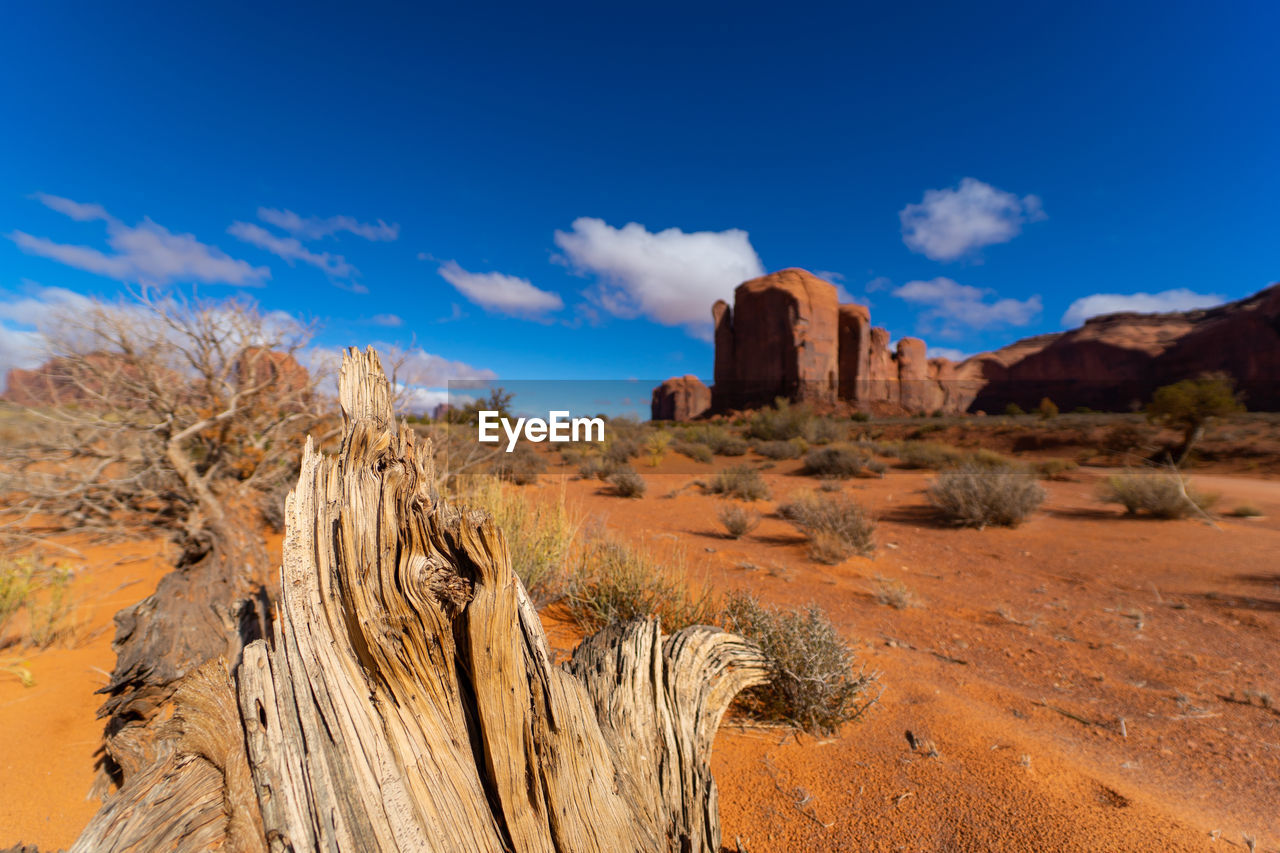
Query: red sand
[1079,612]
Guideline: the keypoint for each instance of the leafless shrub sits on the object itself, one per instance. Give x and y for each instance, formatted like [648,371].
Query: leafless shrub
[837,526]
[779,449]
[696,452]
[1160,494]
[627,482]
[838,462]
[741,481]
[894,593]
[163,412]
[976,496]
[815,682]
[738,521]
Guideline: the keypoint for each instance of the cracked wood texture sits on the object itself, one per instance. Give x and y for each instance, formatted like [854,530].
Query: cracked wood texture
[407,700]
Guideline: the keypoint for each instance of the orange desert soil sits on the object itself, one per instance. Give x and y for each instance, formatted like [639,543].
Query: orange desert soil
[1085,682]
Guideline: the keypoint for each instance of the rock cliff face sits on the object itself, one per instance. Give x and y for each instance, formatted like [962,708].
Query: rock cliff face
[787,336]
[1116,361]
[85,381]
[778,340]
[680,398]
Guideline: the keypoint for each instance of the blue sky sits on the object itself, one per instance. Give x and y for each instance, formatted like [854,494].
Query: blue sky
[546,191]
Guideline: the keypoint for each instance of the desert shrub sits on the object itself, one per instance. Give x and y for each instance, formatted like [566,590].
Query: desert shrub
[894,593]
[696,452]
[718,439]
[780,422]
[43,591]
[790,449]
[837,527]
[785,421]
[875,466]
[590,467]
[823,431]
[1127,438]
[860,417]
[830,486]
[814,682]
[1054,469]
[1246,511]
[983,458]
[738,521]
[614,582]
[521,466]
[656,445]
[539,533]
[732,446]
[1160,494]
[627,482]
[1192,404]
[1047,409]
[740,481]
[926,429]
[975,495]
[927,454]
[841,462]
[622,449]
[1013,410]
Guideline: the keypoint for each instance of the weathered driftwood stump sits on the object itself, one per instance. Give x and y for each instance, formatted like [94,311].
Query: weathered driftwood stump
[407,700]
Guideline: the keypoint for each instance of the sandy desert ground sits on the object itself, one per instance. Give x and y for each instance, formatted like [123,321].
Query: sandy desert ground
[1084,682]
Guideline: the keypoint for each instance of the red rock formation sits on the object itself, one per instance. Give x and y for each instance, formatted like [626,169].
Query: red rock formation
[63,381]
[680,398]
[855,353]
[913,375]
[273,371]
[882,376]
[1116,361]
[84,380]
[725,375]
[783,328]
[787,336]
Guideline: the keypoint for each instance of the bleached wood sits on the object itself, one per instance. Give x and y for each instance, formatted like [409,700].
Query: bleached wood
[407,700]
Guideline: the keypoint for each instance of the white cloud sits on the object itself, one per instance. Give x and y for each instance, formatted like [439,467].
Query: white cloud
[315,227]
[505,294]
[958,308]
[947,352]
[1178,299]
[145,253]
[78,211]
[386,320]
[670,276]
[290,249]
[950,223]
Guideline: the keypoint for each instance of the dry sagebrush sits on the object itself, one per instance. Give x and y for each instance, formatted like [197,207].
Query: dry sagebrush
[975,495]
[815,683]
[837,526]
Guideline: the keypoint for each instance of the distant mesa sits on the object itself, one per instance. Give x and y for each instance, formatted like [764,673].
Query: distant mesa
[786,335]
[88,379]
[680,398]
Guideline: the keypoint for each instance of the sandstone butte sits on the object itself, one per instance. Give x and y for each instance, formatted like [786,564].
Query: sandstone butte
[786,335]
[63,380]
